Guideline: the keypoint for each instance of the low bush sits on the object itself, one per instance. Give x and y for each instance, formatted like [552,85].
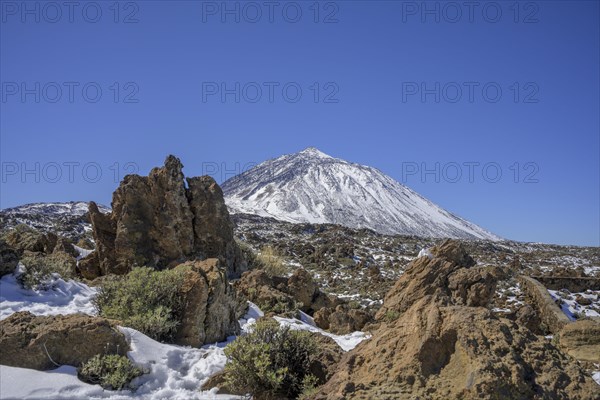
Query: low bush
[111,371]
[39,268]
[271,362]
[145,300]
[271,261]
[391,316]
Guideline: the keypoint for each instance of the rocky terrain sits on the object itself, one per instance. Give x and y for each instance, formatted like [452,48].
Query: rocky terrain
[444,319]
[437,339]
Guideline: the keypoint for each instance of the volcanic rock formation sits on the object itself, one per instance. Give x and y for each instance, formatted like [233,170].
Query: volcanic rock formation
[437,341]
[157,221]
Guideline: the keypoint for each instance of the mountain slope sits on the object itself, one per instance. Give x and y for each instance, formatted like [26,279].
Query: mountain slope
[68,219]
[311,186]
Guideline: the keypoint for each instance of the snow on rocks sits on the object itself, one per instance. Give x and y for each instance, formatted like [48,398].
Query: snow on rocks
[174,372]
[570,303]
[425,253]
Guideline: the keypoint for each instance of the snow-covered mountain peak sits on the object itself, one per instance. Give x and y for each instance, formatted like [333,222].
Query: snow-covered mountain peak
[313,152]
[311,186]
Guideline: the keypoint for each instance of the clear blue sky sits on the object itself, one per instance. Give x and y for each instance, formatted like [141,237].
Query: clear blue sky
[372,61]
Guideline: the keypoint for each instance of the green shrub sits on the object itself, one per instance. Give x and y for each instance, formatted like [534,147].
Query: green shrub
[145,300]
[111,371]
[271,261]
[309,387]
[391,315]
[39,268]
[271,361]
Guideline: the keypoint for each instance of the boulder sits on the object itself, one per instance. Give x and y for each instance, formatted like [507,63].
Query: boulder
[157,222]
[23,238]
[212,308]
[260,288]
[64,245]
[9,259]
[581,340]
[584,301]
[41,342]
[342,319]
[275,293]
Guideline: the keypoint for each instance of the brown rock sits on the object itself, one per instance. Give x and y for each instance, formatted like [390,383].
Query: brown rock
[342,319]
[9,259]
[213,229]
[473,286]
[581,340]
[276,293]
[24,238]
[302,288]
[212,308]
[528,318]
[29,341]
[157,222]
[63,245]
[439,347]
[453,251]
[584,301]
[328,353]
[218,381]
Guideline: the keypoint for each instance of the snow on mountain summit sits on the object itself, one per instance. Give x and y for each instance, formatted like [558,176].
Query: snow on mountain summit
[311,186]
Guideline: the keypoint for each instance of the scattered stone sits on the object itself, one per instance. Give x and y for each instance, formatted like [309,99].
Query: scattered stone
[584,301]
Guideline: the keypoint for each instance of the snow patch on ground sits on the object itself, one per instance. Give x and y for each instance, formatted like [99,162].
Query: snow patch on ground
[60,297]
[571,307]
[346,342]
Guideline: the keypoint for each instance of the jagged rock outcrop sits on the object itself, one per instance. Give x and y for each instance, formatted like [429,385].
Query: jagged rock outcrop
[212,308]
[436,341]
[38,342]
[157,222]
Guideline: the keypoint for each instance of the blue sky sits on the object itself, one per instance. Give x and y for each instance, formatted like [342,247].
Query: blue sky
[496,88]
